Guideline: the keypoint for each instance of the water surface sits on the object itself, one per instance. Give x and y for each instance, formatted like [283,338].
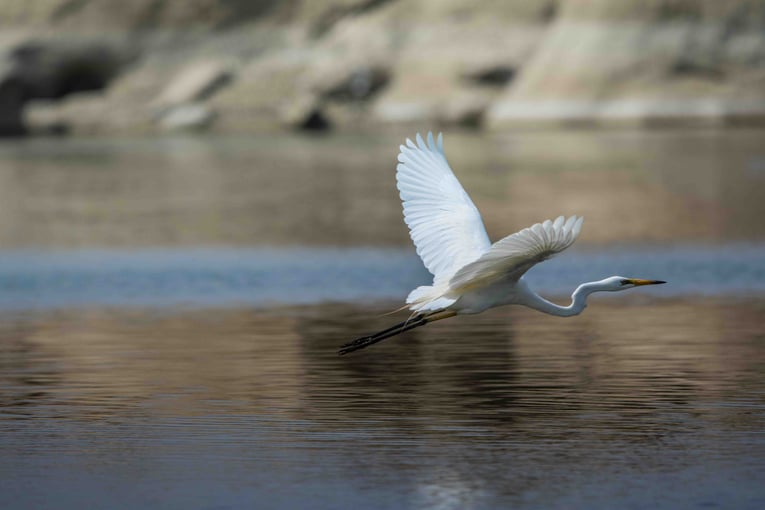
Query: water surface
[633,405]
[662,187]
[262,277]
[170,312]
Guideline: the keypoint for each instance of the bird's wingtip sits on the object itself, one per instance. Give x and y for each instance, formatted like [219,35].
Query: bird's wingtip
[577,226]
[430,142]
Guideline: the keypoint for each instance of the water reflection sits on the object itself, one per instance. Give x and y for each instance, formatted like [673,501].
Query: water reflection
[502,369]
[631,187]
[446,375]
[493,409]
[641,399]
[517,369]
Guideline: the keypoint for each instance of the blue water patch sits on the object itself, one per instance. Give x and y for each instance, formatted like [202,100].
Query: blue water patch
[690,270]
[202,277]
[215,277]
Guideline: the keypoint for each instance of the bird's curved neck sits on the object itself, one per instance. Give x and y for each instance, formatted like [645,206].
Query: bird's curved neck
[578,301]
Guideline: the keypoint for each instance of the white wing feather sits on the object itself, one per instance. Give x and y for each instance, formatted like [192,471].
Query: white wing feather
[444,224]
[511,257]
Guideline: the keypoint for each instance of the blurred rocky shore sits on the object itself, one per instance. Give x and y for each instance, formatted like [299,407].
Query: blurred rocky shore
[88,67]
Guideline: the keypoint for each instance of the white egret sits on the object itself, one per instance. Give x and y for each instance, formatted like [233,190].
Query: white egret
[470,274]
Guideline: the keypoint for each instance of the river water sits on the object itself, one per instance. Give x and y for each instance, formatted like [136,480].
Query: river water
[171,311]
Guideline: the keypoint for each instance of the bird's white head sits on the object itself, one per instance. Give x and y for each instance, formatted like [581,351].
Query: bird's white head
[616,283]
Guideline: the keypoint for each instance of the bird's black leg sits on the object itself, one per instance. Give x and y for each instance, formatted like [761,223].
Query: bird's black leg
[414,322]
[366,341]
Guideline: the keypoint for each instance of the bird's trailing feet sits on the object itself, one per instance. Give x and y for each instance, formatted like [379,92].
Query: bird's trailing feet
[411,323]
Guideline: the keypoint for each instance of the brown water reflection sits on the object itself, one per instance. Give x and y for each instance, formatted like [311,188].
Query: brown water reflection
[507,408]
[506,366]
[631,187]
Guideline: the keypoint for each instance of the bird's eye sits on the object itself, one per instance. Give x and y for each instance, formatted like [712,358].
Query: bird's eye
[624,282]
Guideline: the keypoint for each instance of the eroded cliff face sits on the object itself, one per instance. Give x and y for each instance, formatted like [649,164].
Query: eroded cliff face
[108,66]
[642,63]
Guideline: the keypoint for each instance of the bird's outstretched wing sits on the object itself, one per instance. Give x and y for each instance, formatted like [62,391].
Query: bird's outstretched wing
[511,257]
[443,222]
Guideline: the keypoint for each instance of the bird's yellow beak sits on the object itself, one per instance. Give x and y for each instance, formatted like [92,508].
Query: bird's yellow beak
[636,282]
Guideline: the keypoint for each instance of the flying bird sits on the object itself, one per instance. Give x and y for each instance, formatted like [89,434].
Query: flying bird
[470,274]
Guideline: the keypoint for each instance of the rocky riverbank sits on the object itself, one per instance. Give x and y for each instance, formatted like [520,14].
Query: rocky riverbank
[113,67]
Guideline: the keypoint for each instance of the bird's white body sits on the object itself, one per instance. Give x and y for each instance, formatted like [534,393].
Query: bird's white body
[470,274]
[498,294]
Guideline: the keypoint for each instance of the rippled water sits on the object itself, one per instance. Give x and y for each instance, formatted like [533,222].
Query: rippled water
[225,277]
[642,405]
[171,310]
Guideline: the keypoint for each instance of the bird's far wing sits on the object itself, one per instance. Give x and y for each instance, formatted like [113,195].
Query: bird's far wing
[511,257]
[443,222]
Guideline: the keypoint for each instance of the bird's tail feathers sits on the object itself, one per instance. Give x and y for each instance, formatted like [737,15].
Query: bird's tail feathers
[399,309]
[429,298]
